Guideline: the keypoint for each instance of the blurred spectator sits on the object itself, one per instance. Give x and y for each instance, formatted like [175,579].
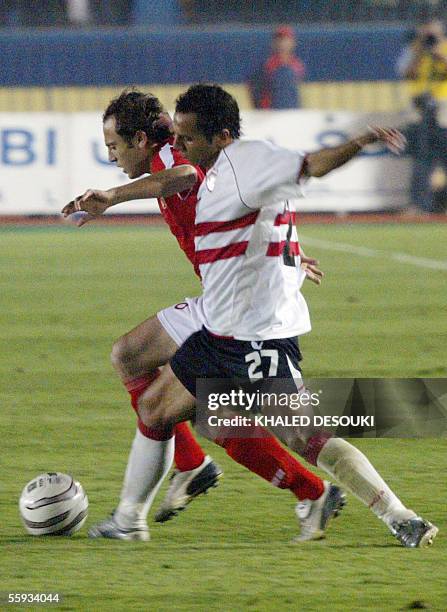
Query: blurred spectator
[276,83]
[78,12]
[427,144]
[424,61]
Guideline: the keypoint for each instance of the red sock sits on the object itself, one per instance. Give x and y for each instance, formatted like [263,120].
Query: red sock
[188,454]
[136,388]
[264,456]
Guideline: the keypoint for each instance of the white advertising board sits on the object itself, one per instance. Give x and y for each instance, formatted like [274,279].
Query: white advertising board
[33,163]
[46,159]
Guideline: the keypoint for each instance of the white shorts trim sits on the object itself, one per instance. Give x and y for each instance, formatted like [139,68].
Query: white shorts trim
[182,319]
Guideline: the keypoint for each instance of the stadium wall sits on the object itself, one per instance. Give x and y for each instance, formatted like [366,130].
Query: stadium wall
[48,158]
[114,57]
[372,96]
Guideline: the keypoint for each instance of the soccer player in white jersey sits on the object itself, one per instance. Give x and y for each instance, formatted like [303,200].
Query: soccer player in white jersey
[247,251]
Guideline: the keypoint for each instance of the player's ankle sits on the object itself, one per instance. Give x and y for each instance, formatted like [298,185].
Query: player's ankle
[397,515]
[129,515]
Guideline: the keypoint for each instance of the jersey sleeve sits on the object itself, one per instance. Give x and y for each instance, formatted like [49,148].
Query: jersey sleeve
[168,157]
[266,173]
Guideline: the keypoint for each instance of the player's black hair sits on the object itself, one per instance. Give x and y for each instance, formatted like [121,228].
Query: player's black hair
[134,111]
[215,108]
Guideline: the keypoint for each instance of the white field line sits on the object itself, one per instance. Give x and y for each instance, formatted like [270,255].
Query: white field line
[422,262]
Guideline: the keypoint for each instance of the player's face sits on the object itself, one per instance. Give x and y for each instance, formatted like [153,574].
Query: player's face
[192,143]
[133,158]
[284,45]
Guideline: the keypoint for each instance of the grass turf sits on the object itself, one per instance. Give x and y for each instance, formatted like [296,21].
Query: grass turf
[66,294]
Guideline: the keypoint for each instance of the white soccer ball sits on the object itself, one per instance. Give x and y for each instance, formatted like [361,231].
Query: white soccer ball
[53,504]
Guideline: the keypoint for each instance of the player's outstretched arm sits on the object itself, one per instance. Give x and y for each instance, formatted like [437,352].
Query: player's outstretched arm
[324,161]
[161,184]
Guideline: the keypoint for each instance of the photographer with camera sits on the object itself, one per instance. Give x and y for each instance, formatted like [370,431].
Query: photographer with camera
[424,62]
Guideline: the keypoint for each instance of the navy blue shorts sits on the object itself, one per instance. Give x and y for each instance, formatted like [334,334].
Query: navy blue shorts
[204,355]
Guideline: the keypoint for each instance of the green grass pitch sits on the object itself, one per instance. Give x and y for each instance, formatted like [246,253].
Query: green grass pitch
[67,293]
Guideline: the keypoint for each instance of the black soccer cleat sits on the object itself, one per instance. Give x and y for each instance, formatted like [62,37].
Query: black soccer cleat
[185,486]
[109,529]
[415,532]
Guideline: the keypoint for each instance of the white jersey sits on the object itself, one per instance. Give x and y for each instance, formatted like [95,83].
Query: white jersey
[247,245]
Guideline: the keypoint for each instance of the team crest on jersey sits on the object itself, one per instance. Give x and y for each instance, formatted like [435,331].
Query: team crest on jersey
[211,179]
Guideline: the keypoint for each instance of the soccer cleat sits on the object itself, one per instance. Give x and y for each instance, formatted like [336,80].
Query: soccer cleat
[109,529]
[185,486]
[314,515]
[415,532]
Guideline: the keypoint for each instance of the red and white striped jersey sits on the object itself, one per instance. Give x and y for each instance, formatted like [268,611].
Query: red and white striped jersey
[179,210]
[247,245]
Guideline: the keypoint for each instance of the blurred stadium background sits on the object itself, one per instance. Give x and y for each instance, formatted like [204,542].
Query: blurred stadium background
[67,58]
[349,49]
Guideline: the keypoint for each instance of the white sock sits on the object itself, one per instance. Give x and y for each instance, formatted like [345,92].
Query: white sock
[149,462]
[353,471]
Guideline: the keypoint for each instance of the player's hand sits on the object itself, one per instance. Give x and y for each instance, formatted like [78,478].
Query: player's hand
[94,202]
[310,267]
[394,140]
[437,53]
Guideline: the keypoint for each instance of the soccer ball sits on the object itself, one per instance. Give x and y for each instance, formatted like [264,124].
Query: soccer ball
[53,504]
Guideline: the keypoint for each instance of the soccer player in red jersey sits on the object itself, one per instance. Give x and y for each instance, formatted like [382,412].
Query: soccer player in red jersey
[138,137]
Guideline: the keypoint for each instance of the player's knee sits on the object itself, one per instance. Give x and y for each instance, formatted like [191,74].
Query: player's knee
[123,354]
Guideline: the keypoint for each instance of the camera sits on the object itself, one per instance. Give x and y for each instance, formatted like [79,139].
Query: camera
[429,41]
